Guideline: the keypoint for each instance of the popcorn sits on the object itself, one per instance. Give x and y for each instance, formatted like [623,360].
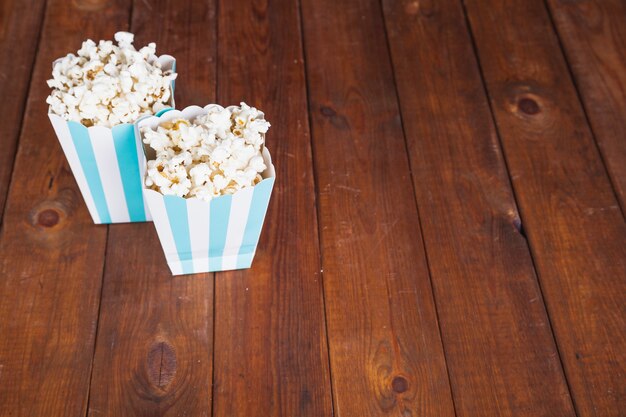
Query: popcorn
[216,153]
[106,84]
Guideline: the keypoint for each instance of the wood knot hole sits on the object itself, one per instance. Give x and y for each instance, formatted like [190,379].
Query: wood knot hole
[327,111]
[337,120]
[161,363]
[399,384]
[48,218]
[528,106]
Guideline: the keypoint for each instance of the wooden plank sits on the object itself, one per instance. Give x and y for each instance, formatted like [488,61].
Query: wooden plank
[506,362]
[271,354]
[155,336]
[154,344]
[570,214]
[20,24]
[385,348]
[51,254]
[593,34]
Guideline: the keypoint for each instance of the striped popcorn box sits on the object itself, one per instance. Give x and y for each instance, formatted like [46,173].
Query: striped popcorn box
[107,165]
[217,235]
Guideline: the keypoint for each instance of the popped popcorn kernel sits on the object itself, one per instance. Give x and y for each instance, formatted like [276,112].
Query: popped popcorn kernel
[215,154]
[106,84]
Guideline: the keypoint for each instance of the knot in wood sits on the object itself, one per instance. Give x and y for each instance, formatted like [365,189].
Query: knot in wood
[328,111]
[528,106]
[48,218]
[48,215]
[399,384]
[161,363]
[337,120]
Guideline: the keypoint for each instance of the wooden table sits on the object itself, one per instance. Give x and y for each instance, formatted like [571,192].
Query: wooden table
[446,236]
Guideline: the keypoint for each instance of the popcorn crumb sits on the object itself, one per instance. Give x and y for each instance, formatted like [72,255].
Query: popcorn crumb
[106,84]
[215,154]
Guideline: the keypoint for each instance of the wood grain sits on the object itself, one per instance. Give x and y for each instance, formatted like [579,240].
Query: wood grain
[155,337]
[51,254]
[368,284]
[593,34]
[386,353]
[154,346]
[20,23]
[570,214]
[505,363]
[271,354]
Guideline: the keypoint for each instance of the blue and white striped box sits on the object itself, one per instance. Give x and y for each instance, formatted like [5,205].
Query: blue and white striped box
[107,165]
[203,236]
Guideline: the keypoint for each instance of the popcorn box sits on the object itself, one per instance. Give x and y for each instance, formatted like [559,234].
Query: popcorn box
[106,163]
[202,236]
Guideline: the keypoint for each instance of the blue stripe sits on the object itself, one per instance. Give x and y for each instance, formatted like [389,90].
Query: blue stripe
[258,207]
[176,208]
[220,214]
[82,143]
[162,111]
[128,162]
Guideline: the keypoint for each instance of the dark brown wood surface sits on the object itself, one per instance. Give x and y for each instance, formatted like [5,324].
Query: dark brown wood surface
[51,254]
[271,355]
[569,211]
[20,22]
[502,361]
[155,339]
[385,349]
[593,34]
[444,238]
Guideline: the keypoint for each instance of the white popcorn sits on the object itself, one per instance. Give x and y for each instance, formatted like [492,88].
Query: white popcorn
[215,154]
[124,39]
[106,84]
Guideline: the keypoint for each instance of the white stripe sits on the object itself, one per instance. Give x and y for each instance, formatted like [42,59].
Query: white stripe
[198,217]
[146,208]
[65,138]
[108,167]
[162,224]
[229,262]
[239,210]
